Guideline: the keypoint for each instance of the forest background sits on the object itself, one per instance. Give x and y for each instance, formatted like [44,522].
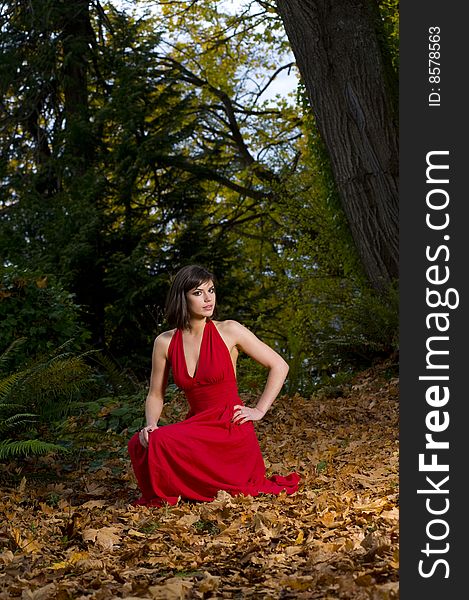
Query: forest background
[139,137]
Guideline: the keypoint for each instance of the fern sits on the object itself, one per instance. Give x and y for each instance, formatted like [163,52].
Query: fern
[8,383]
[10,351]
[40,394]
[52,386]
[13,448]
[35,402]
[17,420]
[6,406]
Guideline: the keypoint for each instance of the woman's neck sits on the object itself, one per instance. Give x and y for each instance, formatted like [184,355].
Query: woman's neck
[196,326]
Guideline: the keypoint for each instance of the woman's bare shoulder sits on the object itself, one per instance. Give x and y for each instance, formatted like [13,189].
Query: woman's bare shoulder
[163,340]
[228,325]
[231,329]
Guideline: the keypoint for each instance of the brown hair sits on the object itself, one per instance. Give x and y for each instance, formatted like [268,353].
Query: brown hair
[186,279]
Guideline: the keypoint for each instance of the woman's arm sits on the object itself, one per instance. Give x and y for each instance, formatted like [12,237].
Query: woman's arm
[158,383]
[266,356]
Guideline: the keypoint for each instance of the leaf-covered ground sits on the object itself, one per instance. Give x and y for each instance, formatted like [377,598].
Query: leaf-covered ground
[72,533]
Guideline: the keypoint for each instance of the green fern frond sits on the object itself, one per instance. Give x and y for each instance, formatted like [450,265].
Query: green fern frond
[18,420]
[57,379]
[8,383]
[12,348]
[10,448]
[8,407]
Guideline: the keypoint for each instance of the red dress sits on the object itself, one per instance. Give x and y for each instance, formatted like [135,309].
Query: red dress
[207,452]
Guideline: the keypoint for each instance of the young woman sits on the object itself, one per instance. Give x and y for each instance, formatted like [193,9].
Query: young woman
[215,447]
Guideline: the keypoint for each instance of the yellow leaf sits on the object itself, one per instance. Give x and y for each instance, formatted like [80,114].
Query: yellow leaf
[31,546]
[373,506]
[298,583]
[364,580]
[7,557]
[188,519]
[93,504]
[46,509]
[60,565]
[391,515]
[76,556]
[328,519]
[16,535]
[300,537]
[105,537]
[89,535]
[22,485]
[41,282]
[91,564]
[135,533]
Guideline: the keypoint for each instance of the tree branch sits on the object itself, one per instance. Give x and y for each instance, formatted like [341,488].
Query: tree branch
[207,174]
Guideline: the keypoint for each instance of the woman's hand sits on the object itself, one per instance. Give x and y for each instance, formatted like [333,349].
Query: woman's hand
[143,434]
[242,414]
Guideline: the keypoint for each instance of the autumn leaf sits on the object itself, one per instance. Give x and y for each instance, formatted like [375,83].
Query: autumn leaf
[173,589]
[105,537]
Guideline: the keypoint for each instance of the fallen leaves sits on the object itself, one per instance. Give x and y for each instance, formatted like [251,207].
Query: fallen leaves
[336,538]
[106,537]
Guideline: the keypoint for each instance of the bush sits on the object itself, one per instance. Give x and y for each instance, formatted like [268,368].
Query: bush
[35,306]
[365,329]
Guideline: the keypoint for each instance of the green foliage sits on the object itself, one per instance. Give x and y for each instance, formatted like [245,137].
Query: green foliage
[36,307]
[335,323]
[112,379]
[119,414]
[366,329]
[36,399]
[389,11]
[136,194]
[353,328]
[11,449]
[251,376]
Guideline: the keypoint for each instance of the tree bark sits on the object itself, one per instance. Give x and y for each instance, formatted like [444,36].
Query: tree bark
[353,93]
[78,37]
[78,40]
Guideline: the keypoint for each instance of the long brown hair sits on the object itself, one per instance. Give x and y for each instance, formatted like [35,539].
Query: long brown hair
[186,279]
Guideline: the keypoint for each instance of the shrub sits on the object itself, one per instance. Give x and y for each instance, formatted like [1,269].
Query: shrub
[35,306]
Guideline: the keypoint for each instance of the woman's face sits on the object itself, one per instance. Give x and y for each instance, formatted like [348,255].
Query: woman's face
[201,300]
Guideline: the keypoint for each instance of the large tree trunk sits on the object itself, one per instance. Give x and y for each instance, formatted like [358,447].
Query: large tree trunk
[78,41]
[354,101]
[78,38]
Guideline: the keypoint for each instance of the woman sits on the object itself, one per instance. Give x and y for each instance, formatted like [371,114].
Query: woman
[215,447]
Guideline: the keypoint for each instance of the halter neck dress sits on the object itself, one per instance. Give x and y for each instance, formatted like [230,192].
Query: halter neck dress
[206,452]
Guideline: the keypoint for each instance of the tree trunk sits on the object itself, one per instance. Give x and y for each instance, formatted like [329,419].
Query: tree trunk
[78,41]
[78,38]
[353,96]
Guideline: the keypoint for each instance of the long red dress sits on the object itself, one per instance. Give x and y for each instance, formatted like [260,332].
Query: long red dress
[207,452]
